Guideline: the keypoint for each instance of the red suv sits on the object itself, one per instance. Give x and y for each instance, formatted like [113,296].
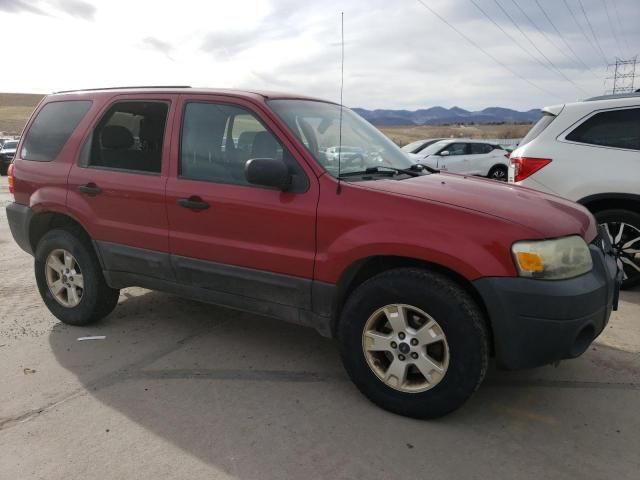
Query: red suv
[238,199]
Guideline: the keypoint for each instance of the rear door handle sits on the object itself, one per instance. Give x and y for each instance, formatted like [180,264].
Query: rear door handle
[90,189]
[194,203]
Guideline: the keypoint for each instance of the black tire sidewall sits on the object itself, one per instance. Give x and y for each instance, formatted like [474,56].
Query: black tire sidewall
[457,315]
[626,216]
[94,296]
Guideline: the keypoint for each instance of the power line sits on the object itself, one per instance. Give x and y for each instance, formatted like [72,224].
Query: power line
[510,37]
[612,29]
[584,12]
[553,65]
[623,35]
[506,67]
[584,33]
[540,31]
[544,12]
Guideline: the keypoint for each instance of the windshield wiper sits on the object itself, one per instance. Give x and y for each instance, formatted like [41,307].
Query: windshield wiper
[389,170]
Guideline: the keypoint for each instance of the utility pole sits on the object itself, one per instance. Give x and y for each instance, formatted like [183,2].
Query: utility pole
[624,73]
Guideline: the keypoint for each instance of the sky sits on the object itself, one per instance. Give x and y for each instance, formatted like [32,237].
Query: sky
[399,54]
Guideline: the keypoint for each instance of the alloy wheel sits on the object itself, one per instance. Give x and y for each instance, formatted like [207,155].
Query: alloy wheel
[406,348]
[625,239]
[64,278]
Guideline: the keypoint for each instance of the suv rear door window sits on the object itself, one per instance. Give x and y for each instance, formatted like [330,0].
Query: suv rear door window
[217,140]
[616,128]
[51,129]
[129,137]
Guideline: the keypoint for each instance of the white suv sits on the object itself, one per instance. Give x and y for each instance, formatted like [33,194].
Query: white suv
[461,155]
[589,152]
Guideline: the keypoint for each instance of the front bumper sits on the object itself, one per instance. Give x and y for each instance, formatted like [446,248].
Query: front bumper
[536,322]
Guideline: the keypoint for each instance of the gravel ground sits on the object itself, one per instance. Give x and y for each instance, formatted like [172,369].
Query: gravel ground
[184,390]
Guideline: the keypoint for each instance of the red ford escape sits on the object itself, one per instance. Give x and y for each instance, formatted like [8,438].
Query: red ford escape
[233,198]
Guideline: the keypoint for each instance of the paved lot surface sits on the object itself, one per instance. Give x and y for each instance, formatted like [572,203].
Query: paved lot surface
[184,390]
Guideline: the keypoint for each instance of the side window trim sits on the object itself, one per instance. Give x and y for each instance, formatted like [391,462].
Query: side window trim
[229,129]
[584,119]
[84,153]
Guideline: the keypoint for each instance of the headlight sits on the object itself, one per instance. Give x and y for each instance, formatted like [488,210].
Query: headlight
[555,259]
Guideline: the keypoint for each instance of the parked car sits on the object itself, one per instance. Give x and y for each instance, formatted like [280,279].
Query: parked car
[7,151]
[589,152]
[469,157]
[347,154]
[420,276]
[419,145]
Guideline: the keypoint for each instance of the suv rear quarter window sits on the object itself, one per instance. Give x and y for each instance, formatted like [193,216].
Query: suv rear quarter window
[615,128]
[51,129]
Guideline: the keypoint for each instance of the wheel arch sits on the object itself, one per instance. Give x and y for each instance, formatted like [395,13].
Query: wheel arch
[607,201]
[363,269]
[44,221]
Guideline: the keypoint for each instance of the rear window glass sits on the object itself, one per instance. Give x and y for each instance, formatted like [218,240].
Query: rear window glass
[51,129]
[538,128]
[618,128]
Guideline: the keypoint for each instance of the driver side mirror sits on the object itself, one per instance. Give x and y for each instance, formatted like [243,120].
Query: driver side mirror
[268,172]
[444,153]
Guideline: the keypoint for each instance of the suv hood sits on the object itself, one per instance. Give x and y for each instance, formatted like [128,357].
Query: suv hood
[549,215]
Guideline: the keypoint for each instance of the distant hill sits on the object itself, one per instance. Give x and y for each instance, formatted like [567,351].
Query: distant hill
[15,109]
[442,116]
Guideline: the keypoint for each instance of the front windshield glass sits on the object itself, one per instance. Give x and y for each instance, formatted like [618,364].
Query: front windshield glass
[434,148]
[413,146]
[317,125]
[10,145]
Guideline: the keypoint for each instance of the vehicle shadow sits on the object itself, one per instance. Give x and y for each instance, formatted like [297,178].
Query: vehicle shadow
[258,398]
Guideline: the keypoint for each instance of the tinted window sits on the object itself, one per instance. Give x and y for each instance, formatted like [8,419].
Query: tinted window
[51,129]
[619,128]
[538,128]
[128,137]
[477,148]
[456,148]
[217,141]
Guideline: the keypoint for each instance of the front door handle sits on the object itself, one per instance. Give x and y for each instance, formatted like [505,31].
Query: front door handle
[193,203]
[90,189]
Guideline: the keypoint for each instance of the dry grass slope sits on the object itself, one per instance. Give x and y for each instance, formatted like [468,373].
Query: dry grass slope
[405,134]
[15,109]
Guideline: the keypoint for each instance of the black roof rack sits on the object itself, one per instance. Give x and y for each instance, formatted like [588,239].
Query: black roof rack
[123,88]
[619,95]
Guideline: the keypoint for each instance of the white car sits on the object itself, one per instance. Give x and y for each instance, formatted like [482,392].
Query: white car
[589,152]
[470,157]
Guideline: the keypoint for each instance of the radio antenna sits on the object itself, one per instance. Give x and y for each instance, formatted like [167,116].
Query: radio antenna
[339,189]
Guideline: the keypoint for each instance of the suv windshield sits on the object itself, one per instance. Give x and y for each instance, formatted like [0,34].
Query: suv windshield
[9,145]
[317,125]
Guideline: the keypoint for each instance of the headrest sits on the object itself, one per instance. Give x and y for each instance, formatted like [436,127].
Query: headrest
[264,146]
[116,137]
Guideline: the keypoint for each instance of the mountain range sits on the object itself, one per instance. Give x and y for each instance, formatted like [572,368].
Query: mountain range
[441,115]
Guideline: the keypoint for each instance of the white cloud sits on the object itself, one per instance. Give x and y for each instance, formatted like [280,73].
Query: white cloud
[398,55]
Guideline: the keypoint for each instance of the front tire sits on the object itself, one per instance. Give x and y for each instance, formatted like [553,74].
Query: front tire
[414,342]
[623,229]
[70,279]
[499,172]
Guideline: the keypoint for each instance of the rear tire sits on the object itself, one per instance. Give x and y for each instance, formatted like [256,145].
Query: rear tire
[87,300]
[458,330]
[627,251]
